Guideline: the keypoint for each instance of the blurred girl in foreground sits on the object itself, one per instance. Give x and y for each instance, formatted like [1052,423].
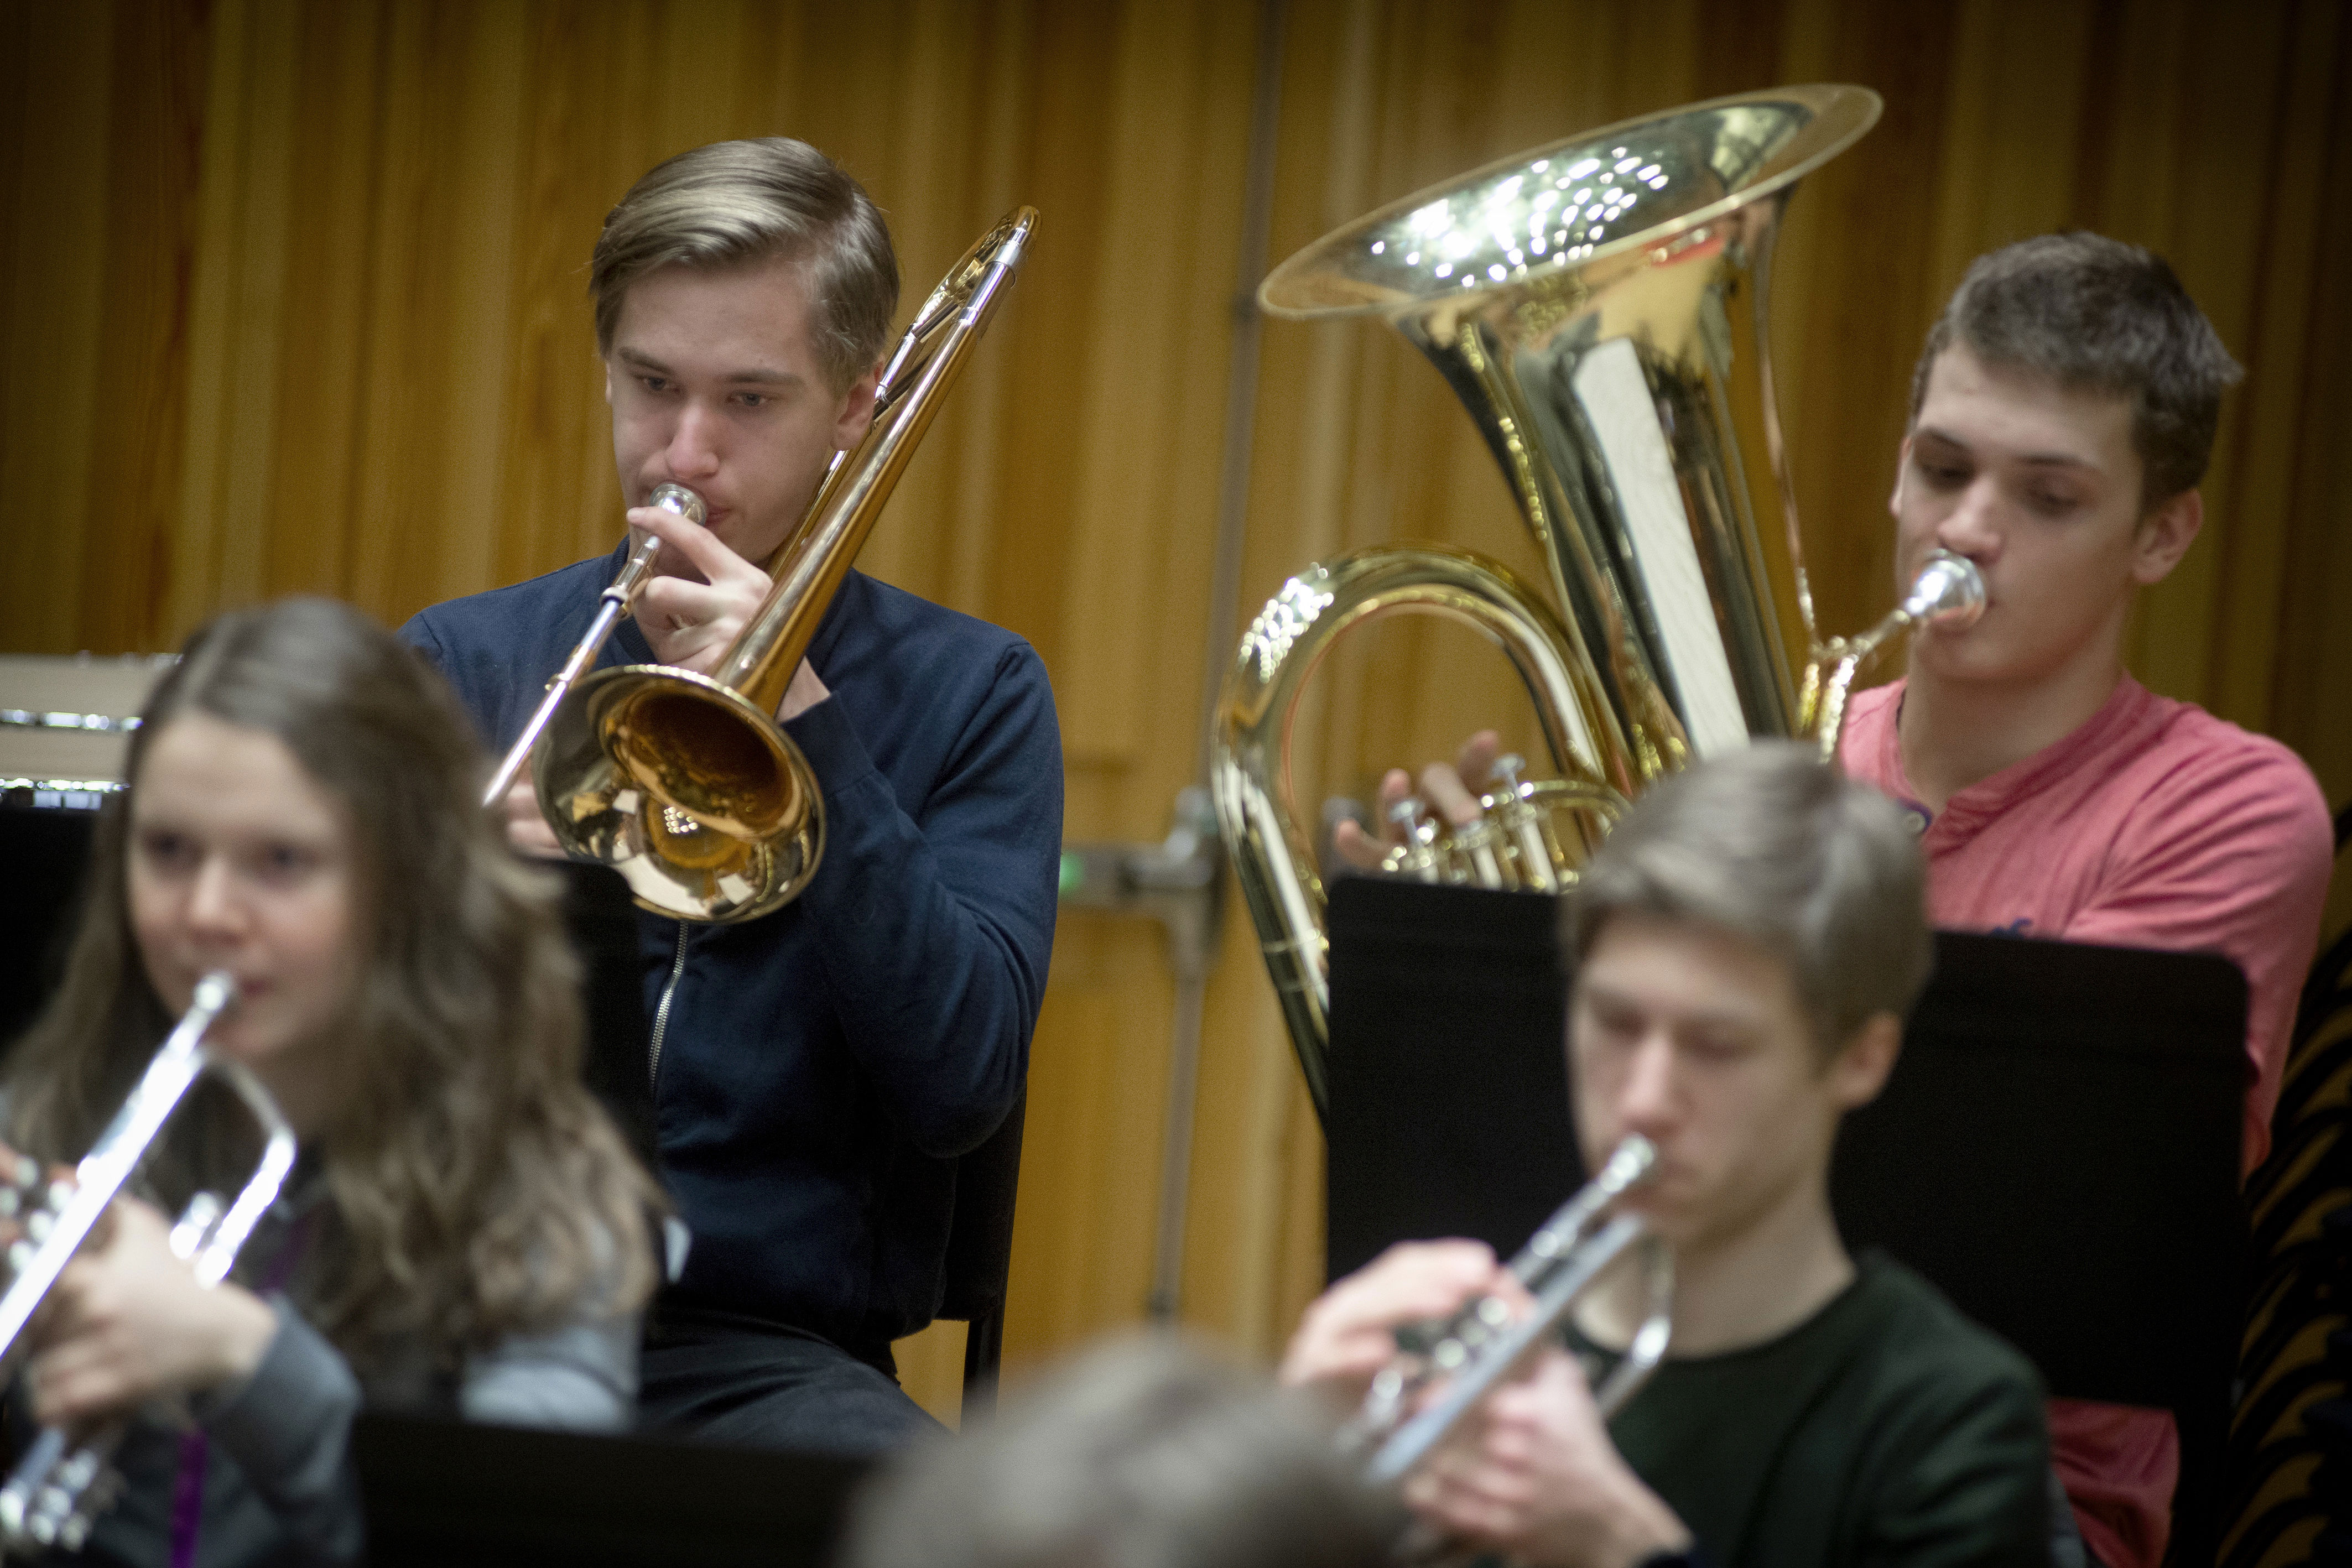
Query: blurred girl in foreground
[463,1229]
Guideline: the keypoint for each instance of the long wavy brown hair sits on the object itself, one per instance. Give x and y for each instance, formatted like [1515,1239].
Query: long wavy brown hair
[476,1188]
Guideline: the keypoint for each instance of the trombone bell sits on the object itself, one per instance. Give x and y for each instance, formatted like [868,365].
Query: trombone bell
[698,799]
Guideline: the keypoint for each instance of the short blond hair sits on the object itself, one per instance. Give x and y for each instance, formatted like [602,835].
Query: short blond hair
[734,204]
[1774,847]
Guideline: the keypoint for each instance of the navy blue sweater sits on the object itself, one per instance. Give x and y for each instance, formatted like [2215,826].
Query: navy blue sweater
[824,1065]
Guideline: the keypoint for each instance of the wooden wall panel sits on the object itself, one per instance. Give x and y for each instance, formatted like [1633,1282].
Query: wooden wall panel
[293,297]
[54,255]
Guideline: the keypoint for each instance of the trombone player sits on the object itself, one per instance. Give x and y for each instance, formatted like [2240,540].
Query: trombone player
[1745,945]
[815,1071]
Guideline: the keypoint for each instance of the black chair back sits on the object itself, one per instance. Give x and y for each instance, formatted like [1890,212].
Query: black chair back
[45,849]
[979,1256]
[602,921]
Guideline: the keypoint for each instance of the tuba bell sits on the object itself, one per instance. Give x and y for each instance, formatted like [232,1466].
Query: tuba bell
[1600,305]
[685,783]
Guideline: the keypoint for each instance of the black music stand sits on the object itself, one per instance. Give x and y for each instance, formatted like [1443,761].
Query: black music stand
[1449,1088]
[2057,1149]
[446,1494]
[44,849]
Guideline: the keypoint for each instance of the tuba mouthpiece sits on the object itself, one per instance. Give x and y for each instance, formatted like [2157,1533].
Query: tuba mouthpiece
[1949,592]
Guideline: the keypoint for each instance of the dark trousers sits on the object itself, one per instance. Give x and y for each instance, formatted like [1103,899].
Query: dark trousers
[730,1379]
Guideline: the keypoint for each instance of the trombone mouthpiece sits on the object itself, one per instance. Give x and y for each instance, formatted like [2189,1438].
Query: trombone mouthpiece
[680,500]
[1949,592]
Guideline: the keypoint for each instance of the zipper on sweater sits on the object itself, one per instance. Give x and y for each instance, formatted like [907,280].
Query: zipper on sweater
[661,1013]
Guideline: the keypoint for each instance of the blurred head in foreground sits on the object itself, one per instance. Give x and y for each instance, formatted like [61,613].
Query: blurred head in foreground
[1143,1453]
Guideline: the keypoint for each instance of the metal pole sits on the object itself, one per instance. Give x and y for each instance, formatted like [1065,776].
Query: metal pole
[1224,589]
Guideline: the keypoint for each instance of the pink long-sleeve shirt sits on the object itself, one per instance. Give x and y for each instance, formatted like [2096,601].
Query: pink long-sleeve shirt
[2154,824]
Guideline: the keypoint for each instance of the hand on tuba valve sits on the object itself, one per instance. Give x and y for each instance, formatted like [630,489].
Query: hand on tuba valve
[1528,834]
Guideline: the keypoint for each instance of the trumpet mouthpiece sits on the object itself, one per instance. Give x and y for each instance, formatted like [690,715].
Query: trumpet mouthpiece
[1629,1164]
[1949,592]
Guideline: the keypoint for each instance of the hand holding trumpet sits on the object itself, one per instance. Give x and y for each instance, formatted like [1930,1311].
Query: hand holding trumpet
[1533,1476]
[1532,1473]
[128,1320]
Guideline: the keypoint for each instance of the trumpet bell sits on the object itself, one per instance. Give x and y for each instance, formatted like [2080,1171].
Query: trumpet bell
[700,801]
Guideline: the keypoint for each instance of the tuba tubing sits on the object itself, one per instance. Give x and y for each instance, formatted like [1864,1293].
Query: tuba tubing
[1250,764]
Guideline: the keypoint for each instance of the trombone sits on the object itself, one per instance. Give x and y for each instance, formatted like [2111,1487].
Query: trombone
[685,783]
[59,1487]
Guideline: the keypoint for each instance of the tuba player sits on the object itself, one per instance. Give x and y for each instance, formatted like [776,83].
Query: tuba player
[2062,413]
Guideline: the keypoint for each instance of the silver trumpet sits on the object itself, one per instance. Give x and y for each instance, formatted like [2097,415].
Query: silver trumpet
[59,1487]
[1472,1350]
[619,596]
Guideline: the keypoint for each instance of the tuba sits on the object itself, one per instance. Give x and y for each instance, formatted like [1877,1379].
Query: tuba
[1600,305]
[685,783]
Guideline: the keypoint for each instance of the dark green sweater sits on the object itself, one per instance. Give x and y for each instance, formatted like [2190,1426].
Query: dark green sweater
[1886,1429]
